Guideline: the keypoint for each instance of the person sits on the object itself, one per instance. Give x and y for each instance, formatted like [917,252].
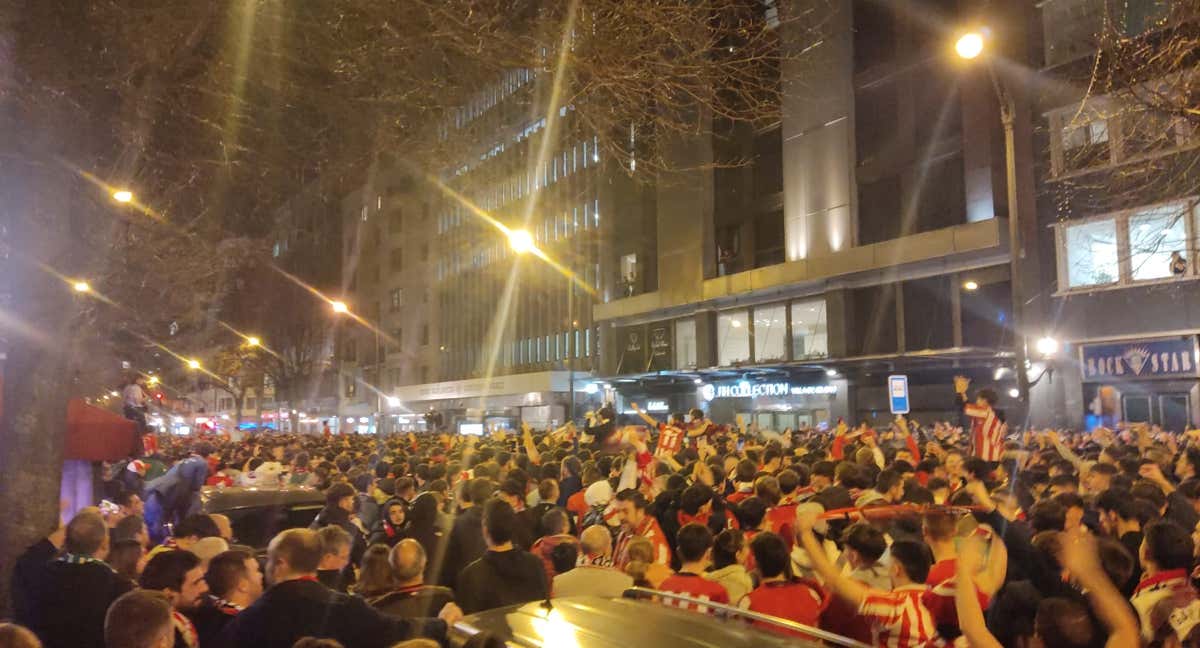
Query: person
[131,527]
[411,597]
[125,557]
[547,495]
[898,618]
[375,576]
[191,530]
[297,605]
[636,522]
[70,594]
[642,566]
[939,530]
[1166,558]
[594,574]
[694,546]
[134,401]
[728,558]
[139,619]
[334,570]
[180,576]
[389,529]
[862,548]
[1119,519]
[428,527]
[466,543]
[16,636]
[780,594]
[1178,264]
[176,494]
[235,581]
[987,428]
[556,524]
[339,512]
[505,575]
[224,526]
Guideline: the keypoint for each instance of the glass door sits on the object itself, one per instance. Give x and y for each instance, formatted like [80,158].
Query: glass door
[1174,412]
[1136,408]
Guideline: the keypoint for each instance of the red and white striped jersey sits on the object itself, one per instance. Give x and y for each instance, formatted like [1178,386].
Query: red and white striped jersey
[648,529]
[987,432]
[898,618]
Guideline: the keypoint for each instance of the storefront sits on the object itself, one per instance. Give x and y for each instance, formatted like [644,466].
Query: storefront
[1150,380]
[479,406]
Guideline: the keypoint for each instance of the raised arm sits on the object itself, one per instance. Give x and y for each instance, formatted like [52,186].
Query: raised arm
[847,588]
[966,604]
[535,457]
[650,420]
[1079,556]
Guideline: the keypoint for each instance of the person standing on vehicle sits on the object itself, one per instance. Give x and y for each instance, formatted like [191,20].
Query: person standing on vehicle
[176,494]
[135,410]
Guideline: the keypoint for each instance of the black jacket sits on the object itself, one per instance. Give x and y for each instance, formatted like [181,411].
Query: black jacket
[501,578]
[411,602]
[431,529]
[27,573]
[304,608]
[466,545]
[69,602]
[210,620]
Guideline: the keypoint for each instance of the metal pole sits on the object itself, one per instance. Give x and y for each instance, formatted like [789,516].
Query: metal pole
[571,352]
[1015,245]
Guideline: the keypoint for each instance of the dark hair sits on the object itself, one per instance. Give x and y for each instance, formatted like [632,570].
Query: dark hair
[1168,545]
[1064,480]
[887,480]
[726,546]
[1117,501]
[977,468]
[197,526]
[694,497]
[137,619]
[337,492]
[692,541]
[128,528]
[513,488]
[1047,515]
[499,520]
[771,555]
[226,570]
[1116,561]
[86,533]
[635,496]
[826,469]
[546,489]
[479,491]
[1148,491]
[1065,623]
[302,549]
[167,569]
[124,498]
[332,538]
[123,557]
[751,512]
[555,521]
[866,540]
[563,557]
[1104,469]
[914,557]
[988,395]
[940,525]
[1070,500]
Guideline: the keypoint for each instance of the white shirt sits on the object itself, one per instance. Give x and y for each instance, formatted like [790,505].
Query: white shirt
[589,580]
[134,396]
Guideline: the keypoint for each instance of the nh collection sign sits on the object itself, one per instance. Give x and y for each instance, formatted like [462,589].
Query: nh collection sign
[746,389]
[1137,359]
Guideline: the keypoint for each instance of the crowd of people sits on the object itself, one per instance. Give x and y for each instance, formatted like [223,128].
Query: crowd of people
[959,533]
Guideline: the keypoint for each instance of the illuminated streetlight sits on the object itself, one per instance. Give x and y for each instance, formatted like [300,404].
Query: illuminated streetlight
[123,196]
[970,285]
[253,341]
[193,364]
[1014,392]
[339,307]
[153,380]
[831,372]
[113,394]
[969,45]
[1047,346]
[521,241]
[81,286]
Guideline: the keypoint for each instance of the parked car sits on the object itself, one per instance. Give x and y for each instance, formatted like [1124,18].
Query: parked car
[642,618]
[257,514]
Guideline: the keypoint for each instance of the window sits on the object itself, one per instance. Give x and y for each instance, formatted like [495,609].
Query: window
[397,260]
[424,251]
[1091,253]
[810,332]
[397,337]
[397,219]
[350,350]
[397,296]
[424,334]
[424,373]
[770,331]
[685,344]
[733,337]
[251,403]
[351,387]
[1154,234]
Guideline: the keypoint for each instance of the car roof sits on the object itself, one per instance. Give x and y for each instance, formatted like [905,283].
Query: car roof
[217,499]
[594,622]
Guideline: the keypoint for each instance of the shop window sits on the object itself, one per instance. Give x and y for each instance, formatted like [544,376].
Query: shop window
[733,337]
[685,344]
[1091,253]
[1153,235]
[768,239]
[630,275]
[878,210]
[770,331]
[810,332]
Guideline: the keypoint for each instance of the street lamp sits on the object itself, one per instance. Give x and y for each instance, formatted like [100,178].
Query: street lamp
[339,307]
[153,380]
[193,364]
[970,46]
[81,286]
[253,341]
[521,241]
[1047,346]
[970,285]
[123,196]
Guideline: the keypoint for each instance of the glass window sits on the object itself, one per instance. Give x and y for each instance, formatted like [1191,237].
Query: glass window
[810,333]
[1091,253]
[733,337]
[770,329]
[1154,234]
[685,344]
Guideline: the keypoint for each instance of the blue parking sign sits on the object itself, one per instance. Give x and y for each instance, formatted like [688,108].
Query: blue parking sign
[898,394]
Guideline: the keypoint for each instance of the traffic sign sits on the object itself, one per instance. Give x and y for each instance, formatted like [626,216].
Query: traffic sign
[898,394]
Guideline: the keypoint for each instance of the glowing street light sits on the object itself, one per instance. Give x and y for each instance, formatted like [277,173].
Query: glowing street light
[970,285]
[253,341]
[123,196]
[521,241]
[339,307]
[81,286]
[1047,346]
[193,364]
[153,380]
[113,394]
[969,45]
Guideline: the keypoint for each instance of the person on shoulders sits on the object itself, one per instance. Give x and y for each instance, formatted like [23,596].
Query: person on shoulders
[694,546]
[505,575]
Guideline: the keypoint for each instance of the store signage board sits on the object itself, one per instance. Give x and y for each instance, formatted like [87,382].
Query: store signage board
[746,389]
[657,406]
[898,394]
[1161,358]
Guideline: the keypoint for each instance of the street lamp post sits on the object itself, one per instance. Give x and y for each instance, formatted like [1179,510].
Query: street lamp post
[969,46]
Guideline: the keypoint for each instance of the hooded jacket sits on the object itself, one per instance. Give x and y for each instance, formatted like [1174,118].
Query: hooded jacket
[501,578]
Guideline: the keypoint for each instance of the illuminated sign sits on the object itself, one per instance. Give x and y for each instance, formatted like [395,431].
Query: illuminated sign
[747,389]
[657,406]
